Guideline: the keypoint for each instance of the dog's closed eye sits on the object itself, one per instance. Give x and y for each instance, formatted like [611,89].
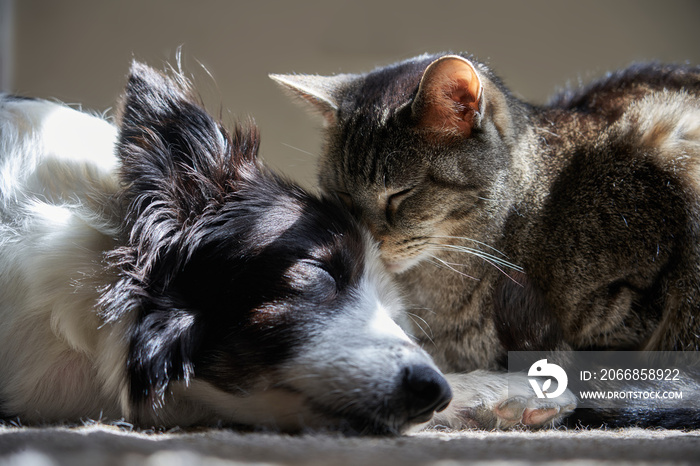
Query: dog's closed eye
[312,277]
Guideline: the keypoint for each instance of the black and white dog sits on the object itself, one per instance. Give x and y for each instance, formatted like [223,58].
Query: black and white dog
[157,272]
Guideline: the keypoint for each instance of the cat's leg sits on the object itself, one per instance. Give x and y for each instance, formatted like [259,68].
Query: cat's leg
[495,400]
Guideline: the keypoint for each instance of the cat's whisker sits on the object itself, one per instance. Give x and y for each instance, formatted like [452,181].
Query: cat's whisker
[549,132]
[491,200]
[481,256]
[414,318]
[425,322]
[451,267]
[464,238]
[424,309]
[300,150]
[490,258]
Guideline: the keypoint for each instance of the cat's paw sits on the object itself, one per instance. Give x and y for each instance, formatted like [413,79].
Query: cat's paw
[490,400]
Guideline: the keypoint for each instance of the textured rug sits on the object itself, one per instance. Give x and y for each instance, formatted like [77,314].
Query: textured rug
[99,444]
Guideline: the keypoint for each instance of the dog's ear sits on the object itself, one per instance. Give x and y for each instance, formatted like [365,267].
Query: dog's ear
[174,155]
[177,164]
[161,351]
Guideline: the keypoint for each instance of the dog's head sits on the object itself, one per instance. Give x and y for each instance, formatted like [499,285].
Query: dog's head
[251,300]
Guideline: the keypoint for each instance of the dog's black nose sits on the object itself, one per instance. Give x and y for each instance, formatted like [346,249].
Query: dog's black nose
[426,391]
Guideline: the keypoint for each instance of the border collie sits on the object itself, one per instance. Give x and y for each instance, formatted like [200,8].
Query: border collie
[157,272]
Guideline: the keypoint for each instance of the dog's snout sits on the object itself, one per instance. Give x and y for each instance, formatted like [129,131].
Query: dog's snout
[426,392]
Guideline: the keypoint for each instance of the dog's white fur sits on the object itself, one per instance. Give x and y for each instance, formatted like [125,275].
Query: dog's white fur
[60,360]
[56,179]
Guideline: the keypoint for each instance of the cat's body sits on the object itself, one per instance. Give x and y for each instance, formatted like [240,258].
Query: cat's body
[574,225]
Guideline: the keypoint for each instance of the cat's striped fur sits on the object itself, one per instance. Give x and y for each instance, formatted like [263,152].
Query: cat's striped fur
[574,225]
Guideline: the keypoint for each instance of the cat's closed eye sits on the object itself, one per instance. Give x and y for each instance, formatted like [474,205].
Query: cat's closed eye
[394,201]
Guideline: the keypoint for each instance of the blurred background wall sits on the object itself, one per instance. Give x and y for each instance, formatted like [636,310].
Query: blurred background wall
[78,51]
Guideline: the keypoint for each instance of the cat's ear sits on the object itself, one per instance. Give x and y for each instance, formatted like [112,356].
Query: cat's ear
[322,92]
[450,97]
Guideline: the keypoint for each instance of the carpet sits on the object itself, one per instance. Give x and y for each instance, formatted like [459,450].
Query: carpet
[99,444]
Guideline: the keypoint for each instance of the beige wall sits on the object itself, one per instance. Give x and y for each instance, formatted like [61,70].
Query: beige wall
[78,50]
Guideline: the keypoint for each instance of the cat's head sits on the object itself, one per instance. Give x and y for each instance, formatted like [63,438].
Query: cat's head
[419,149]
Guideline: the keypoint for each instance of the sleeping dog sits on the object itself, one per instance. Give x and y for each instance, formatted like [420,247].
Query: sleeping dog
[157,272]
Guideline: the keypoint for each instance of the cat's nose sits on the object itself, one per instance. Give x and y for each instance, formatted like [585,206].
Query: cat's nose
[426,392]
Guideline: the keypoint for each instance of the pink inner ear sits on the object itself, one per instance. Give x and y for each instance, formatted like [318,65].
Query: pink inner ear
[467,101]
[464,97]
[451,111]
[449,96]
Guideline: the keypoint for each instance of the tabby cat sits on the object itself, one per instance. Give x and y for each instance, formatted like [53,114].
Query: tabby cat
[569,226]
